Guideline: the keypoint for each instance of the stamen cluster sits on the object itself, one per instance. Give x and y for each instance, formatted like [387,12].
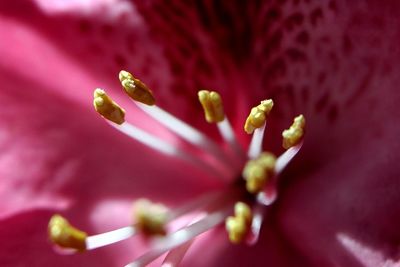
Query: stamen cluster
[260,174]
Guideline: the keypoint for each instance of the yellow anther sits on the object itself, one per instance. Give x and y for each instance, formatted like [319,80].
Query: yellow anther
[258,115]
[258,171]
[65,235]
[255,177]
[136,89]
[150,218]
[237,226]
[243,210]
[212,105]
[107,108]
[295,133]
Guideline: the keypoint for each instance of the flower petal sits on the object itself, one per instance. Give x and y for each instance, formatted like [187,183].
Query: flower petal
[345,183]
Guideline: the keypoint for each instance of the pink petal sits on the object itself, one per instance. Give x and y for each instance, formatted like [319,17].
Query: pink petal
[345,182]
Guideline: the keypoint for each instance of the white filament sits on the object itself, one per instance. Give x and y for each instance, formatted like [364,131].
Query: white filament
[255,147]
[181,237]
[104,239]
[164,147]
[185,131]
[286,158]
[258,216]
[196,204]
[227,133]
[267,198]
[175,256]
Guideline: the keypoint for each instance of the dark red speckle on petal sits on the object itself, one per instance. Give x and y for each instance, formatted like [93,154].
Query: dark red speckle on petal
[120,61]
[303,38]
[85,27]
[296,19]
[315,16]
[106,30]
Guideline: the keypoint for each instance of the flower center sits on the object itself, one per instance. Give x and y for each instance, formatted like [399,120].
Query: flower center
[258,179]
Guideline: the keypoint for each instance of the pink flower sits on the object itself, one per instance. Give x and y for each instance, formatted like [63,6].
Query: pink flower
[333,61]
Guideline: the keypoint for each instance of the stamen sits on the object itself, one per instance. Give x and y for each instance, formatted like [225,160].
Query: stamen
[65,235]
[258,171]
[295,133]
[212,105]
[166,148]
[68,237]
[237,226]
[214,113]
[107,108]
[136,89]
[256,122]
[181,237]
[258,116]
[150,217]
